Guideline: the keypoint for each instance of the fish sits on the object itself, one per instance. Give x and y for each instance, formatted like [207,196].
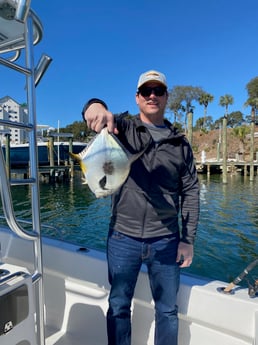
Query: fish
[105,163]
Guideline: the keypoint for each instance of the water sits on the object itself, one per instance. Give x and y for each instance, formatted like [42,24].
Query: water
[227,238]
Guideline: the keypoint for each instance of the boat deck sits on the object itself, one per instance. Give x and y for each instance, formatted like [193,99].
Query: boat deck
[76,291]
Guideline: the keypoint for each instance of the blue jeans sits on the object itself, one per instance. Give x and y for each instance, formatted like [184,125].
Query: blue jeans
[125,257]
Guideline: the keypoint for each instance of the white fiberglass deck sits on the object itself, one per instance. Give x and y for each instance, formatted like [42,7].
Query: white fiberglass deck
[76,291]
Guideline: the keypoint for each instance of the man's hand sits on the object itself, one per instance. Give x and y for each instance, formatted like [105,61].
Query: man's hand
[185,253]
[98,117]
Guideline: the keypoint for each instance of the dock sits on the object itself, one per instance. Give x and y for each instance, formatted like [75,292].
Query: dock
[216,167]
[55,173]
[54,161]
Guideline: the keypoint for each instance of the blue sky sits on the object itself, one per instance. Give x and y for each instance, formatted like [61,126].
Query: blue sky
[100,47]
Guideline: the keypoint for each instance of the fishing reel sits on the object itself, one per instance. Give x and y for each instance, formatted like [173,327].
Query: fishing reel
[253,288]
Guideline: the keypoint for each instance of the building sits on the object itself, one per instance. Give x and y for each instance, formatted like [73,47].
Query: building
[13,111]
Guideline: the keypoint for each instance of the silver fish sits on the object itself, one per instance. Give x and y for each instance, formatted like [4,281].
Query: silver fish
[105,163]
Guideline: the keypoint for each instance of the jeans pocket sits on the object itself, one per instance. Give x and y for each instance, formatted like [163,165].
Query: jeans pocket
[173,237]
[116,235]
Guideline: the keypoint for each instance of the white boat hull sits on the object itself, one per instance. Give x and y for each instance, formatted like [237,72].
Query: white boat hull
[76,291]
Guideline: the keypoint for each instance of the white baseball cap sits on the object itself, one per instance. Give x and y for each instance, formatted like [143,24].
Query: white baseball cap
[152,76]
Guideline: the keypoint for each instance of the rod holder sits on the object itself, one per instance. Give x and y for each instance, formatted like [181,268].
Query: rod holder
[41,67]
[22,10]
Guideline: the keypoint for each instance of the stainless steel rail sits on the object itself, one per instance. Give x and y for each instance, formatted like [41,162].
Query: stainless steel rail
[28,34]
[54,229]
[7,203]
[13,275]
[14,66]
[15,41]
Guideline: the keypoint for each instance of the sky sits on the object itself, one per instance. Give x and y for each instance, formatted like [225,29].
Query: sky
[99,48]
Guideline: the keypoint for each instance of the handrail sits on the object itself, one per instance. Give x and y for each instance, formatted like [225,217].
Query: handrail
[17,43]
[46,226]
[7,203]
[13,275]
[19,182]
[14,66]
[20,125]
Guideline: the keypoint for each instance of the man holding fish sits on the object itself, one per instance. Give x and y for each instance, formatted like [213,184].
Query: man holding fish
[161,185]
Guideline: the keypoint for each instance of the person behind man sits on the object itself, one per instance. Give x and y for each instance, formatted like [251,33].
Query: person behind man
[144,225]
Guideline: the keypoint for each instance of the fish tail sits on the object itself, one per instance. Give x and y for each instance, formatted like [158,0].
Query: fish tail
[77,157]
[84,181]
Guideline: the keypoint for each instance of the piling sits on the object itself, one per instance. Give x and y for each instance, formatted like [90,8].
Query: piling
[71,162]
[252,150]
[224,148]
[51,158]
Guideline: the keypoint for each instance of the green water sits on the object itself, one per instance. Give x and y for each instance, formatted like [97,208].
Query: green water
[227,238]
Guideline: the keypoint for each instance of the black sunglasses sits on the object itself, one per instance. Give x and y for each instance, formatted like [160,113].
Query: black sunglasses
[158,91]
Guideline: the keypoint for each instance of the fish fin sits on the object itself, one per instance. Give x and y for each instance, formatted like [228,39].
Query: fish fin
[84,181]
[131,156]
[103,182]
[83,167]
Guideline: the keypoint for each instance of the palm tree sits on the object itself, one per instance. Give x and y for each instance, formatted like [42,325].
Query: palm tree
[252,89]
[253,103]
[183,96]
[225,101]
[240,133]
[205,99]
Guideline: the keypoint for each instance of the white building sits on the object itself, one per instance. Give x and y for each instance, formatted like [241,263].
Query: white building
[13,111]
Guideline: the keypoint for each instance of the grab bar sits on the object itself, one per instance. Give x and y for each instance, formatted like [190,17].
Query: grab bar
[43,226]
[15,124]
[14,66]
[13,275]
[7,203]
[19,182]
[19,42]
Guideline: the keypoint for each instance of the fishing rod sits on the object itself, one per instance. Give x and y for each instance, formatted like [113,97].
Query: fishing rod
[253,288]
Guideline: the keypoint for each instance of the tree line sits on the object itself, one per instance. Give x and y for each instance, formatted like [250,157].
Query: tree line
[181,105]
[182,98]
